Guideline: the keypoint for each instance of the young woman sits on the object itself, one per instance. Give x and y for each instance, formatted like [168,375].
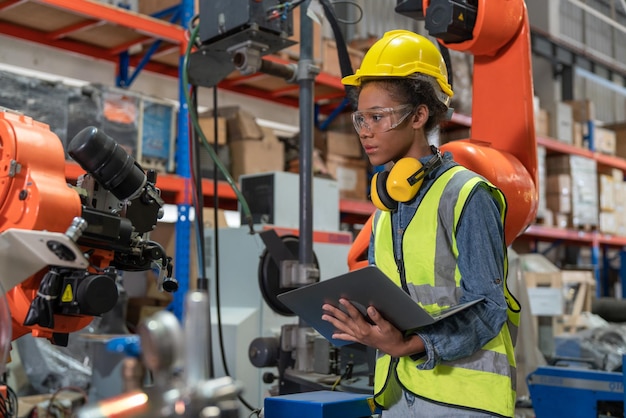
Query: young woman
[438,233]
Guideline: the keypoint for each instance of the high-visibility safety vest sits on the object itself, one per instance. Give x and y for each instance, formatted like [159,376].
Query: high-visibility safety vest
[484,381]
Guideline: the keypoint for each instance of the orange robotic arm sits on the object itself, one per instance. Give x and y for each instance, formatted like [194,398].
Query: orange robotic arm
[63,245]
[34,195]
[502,147]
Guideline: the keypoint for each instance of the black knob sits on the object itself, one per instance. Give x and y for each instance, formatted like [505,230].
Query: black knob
[96,294]
[269,377]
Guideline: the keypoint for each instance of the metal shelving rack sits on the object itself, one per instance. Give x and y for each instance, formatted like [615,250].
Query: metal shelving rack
[104,32]
[108,33]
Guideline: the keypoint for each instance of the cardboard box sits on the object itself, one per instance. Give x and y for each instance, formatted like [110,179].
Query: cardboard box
[207,124]
[608,223]
[561,122]
[582,110]
[584,175]
[620,138]
[351,175]
[240,124]
[208,216]
[579,137]
[250,156]
[606,192]
[559,203]
[604,140]
[542,123]
[559,184]
[340,143]
[541,178]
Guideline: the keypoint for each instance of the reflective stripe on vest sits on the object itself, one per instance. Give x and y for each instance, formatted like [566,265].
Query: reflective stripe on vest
[484,381]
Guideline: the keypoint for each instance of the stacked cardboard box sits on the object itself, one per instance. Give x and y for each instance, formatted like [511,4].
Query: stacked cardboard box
[559,198]
[561,122]
[345,163]
[584,187]
[544,215]
[607,184]
[252,149]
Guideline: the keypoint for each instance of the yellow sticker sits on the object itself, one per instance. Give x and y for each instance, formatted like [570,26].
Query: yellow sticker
[461,18]
[68,295]
[371,404]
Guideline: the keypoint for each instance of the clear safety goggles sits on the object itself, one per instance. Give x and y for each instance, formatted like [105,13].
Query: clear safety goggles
[380,120]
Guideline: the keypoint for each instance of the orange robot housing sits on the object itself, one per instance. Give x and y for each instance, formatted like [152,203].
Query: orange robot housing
[503,146]
[34,195]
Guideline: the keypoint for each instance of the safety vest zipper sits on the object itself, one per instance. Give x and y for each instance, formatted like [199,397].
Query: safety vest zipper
[398,255]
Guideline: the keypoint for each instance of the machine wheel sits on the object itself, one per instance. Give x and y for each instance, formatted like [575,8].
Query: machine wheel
[269,276]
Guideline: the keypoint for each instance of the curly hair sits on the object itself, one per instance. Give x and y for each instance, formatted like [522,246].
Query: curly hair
[413,91]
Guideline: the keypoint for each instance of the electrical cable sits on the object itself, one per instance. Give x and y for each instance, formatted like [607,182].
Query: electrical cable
[218,306]
[342,50]
[60,408]
[194,119]
[192,109]
[217,260]
[356,6]
[202,281]
[8,403]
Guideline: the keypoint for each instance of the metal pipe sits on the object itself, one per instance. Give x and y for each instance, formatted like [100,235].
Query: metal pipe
[286,71]
[306,79]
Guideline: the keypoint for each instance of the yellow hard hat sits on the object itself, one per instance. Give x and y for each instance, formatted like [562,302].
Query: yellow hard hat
[402,53]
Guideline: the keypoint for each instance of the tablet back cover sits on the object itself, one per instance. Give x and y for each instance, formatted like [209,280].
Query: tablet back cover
[364,287]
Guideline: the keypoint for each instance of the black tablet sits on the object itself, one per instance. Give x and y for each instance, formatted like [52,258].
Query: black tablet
[363,287]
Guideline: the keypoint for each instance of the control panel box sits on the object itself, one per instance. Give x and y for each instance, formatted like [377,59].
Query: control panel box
[274,199]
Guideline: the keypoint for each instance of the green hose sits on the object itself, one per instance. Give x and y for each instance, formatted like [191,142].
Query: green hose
[205,142]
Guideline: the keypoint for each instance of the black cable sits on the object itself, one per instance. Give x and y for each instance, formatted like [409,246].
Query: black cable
[193,114]
[202,280]
[8,403]
[445,53]
[356,6]
[342,49]
[217,252]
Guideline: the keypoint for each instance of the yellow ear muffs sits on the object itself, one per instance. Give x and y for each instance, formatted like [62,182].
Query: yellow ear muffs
[399,188]
[402,182]
[378,192]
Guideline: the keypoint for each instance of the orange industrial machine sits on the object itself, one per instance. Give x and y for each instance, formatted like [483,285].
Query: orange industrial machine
[502,147]
[64,245]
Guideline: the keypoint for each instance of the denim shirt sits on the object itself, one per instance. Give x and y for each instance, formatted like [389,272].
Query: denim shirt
[480,240]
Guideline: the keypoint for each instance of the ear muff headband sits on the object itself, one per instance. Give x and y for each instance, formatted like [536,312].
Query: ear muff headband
[378,192]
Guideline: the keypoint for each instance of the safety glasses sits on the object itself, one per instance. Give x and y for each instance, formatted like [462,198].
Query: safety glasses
[380,120]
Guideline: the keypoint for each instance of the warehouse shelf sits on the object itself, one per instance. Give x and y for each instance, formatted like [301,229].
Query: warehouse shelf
[563,148]
[551,233]
[95,30]
[135,40]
